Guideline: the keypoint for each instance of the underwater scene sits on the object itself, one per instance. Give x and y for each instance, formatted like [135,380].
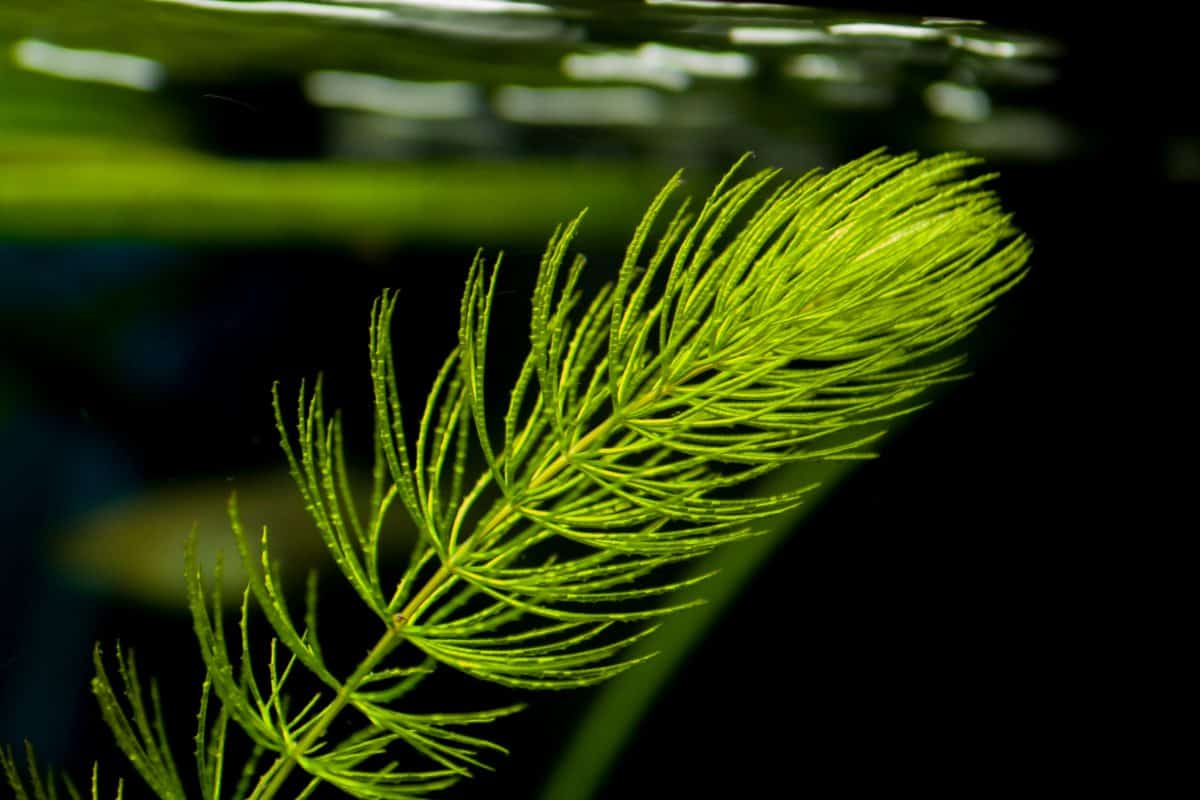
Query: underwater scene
[211,208]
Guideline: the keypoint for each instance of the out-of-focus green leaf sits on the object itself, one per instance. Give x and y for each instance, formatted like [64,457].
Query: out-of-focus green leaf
[63,187]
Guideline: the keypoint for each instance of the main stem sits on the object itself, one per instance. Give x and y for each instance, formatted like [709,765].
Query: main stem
[274,778]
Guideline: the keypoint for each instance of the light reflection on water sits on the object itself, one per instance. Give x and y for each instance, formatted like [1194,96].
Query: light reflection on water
[98,66]
[320,11]
[380,95]
[764,72]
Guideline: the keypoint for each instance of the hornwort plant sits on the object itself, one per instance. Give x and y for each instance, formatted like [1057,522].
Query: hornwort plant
[781,322]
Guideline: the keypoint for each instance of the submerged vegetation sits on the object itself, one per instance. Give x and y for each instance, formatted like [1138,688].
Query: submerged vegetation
[781,321]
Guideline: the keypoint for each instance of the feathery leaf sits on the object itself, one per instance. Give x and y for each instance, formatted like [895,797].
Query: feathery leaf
[780,322]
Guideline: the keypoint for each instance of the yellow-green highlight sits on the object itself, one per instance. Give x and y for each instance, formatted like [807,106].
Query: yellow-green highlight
[53,189]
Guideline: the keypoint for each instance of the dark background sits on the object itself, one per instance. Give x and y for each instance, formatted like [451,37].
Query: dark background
[968,613]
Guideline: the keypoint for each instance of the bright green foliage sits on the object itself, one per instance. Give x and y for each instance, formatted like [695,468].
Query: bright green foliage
[46,787]
[762,329]
[140,734]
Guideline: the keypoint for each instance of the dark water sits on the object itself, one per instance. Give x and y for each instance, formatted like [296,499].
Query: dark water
[199,197]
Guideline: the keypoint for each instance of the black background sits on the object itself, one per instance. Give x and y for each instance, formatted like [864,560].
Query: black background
[985,608]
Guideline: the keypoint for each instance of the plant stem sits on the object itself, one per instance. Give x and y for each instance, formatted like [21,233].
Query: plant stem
[274,778]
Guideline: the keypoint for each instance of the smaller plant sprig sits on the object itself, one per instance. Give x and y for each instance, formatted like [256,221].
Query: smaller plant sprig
[759,330]
[37,786]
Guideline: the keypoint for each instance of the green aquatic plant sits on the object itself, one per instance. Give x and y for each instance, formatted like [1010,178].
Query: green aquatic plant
[778,323]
